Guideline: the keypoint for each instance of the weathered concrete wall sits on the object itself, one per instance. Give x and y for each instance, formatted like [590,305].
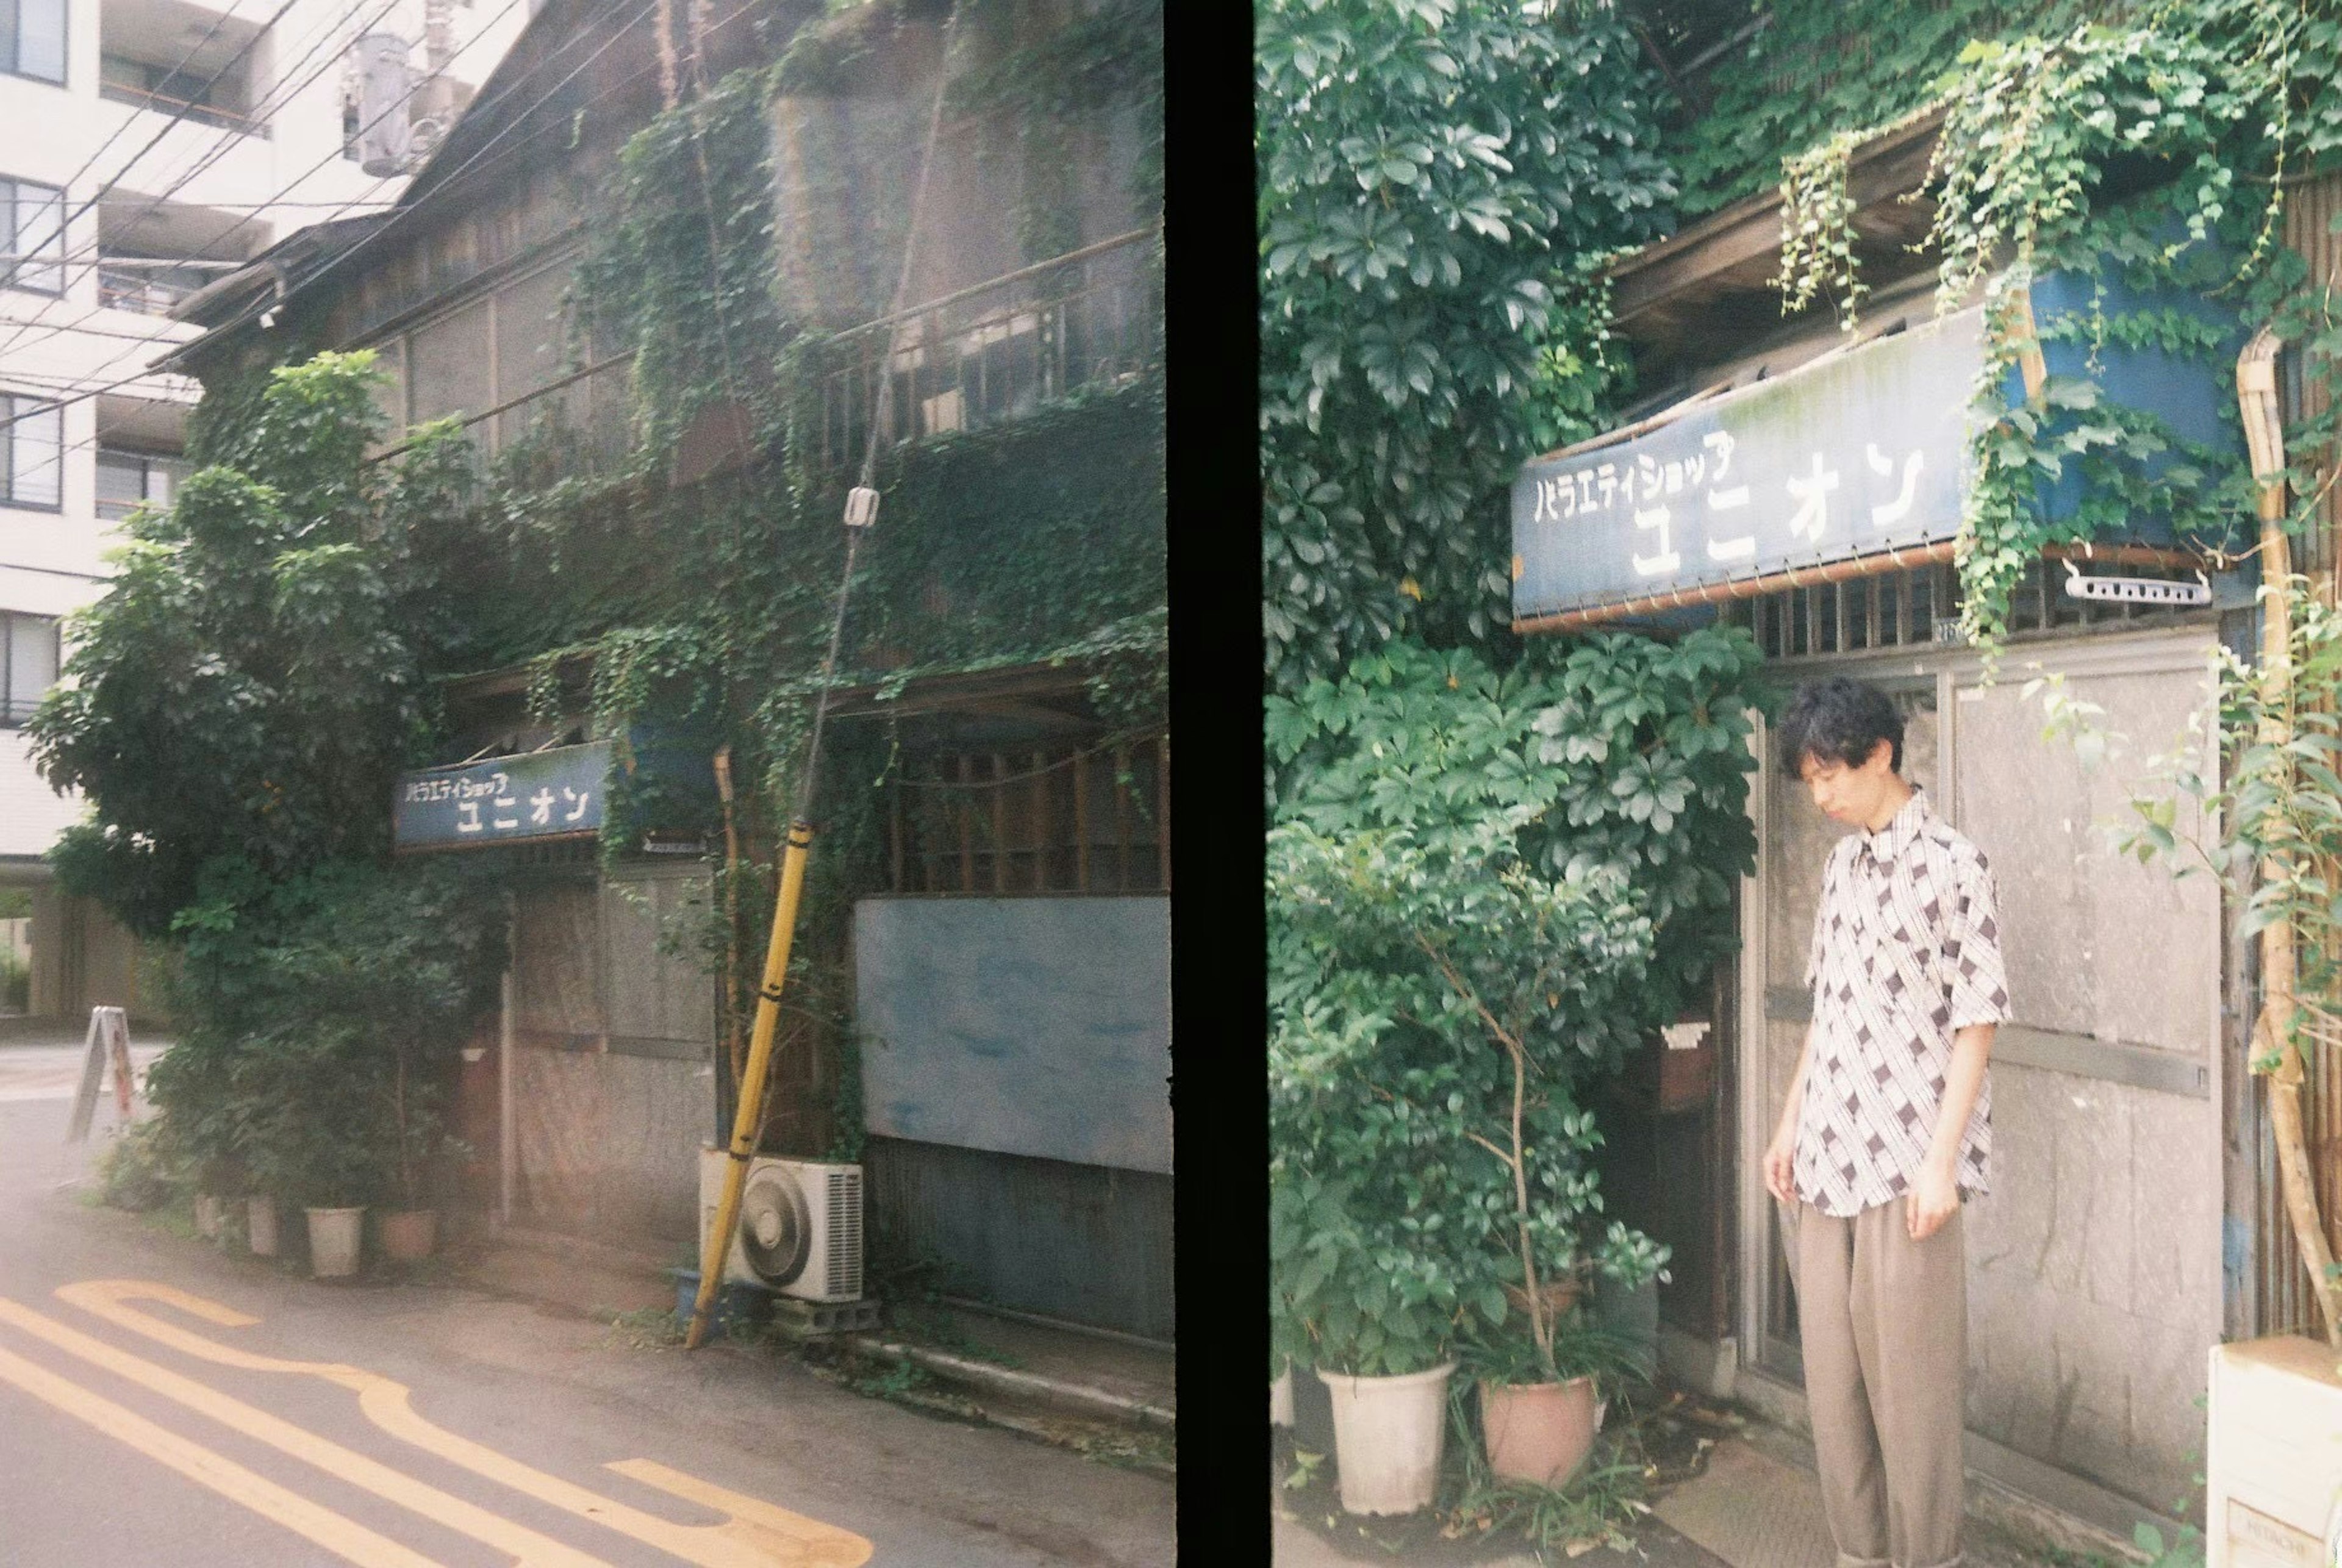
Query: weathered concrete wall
[839,261]
[81,959]
[2095,1265]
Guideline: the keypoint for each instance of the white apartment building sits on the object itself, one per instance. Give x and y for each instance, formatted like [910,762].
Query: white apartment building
[151,147]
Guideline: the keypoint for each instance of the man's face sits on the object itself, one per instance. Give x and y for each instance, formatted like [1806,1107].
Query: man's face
[1850,795]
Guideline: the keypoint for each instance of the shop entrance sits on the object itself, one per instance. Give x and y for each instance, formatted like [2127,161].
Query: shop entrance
[2096,1279]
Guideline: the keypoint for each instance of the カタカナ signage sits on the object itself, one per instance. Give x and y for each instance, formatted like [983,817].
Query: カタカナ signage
[553,793]
[1861,452]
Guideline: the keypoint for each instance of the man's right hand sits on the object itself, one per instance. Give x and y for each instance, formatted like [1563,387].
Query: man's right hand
[1780,1162]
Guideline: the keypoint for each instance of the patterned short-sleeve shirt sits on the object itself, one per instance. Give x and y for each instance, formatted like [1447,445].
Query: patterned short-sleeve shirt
[1906,952]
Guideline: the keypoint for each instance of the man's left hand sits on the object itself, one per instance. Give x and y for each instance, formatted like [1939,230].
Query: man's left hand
[1934,1197]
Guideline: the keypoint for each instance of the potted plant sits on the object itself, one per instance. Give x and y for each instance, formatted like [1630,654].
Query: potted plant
[317,1138]
[1380,1310]
[260,1223]
[1449,1024]
[339,1175]
[419,1141]
[1538,1401]
[1541,1402]
[402,967]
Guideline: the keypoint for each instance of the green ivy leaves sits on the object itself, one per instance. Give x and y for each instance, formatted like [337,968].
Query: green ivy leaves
[1435,183]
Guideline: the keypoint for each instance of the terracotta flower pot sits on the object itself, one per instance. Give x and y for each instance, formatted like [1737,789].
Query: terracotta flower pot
[408,1236]
[1560,1295]
[1539,1432]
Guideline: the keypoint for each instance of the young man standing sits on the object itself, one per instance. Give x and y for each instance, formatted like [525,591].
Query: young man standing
[1887,1130]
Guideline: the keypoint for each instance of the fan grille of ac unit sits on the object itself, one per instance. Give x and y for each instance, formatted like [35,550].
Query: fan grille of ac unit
[772,1195]
[844,1197]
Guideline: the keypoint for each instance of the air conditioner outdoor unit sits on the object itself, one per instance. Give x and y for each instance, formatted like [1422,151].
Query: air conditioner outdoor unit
[2272,1463]
[800,1230]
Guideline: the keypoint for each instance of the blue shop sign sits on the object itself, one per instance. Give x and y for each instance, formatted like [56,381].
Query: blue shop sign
[1860,453]
[548,794]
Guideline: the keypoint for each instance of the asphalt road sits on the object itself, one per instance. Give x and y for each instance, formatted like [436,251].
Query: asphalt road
[163,1404]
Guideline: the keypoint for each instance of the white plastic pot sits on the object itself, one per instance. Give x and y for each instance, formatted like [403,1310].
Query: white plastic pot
[260,1225]
[334,1241]
[1387,1433]
[1280,1399]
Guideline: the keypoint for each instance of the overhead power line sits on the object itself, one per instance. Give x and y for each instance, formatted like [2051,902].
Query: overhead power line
[364,199]
[469,164]
[227,140]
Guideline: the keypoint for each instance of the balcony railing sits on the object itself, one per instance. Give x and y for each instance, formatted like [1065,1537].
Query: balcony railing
[201,114]
[994,352]
[132,289]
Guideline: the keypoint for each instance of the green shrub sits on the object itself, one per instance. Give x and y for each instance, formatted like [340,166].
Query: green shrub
[139,1171]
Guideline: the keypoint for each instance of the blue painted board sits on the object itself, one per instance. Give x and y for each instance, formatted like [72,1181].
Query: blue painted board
[1858,453]
[553,793]
[1037,1026]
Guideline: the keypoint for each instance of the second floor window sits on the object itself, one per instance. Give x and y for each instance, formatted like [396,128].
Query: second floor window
[127,480]
[32,452]
[34,219]
[28,664]
[33,39]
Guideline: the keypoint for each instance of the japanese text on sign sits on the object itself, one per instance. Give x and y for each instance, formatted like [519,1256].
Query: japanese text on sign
[549,793]
[1859,452]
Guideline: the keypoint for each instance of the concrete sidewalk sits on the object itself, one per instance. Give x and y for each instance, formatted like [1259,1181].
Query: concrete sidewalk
[1755,1502]
[1100,1394]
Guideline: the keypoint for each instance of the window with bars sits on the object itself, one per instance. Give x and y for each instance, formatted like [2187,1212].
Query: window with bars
[1065,817]
[33,39]
[32,452]
[28,664]
[36,237]
[1901,609]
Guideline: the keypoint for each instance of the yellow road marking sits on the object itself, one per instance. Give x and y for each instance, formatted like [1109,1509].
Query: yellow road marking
[342,1536]
[754,1534]
[529,1549]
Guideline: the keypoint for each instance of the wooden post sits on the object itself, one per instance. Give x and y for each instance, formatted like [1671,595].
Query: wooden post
[964,814]
[1122,818]
[999,824]
[1038,819]
[1081,821]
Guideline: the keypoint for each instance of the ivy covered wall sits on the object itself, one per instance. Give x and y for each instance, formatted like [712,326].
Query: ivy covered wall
[692,577]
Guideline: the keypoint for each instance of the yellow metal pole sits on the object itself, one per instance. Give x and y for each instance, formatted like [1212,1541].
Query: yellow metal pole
[747,1121]
[861,513]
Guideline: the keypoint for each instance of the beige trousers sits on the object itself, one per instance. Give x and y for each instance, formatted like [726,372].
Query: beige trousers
[1884,1322]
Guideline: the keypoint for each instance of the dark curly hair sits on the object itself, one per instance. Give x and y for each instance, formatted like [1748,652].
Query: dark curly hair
[1838,720]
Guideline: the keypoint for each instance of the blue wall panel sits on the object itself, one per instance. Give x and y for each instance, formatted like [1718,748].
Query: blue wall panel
[1034,1026]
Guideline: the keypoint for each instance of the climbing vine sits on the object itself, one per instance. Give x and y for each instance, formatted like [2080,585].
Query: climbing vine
[2145,162]
[1439,185]
[1807,71]
[2142,171]
[695,577]
[1818,233]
